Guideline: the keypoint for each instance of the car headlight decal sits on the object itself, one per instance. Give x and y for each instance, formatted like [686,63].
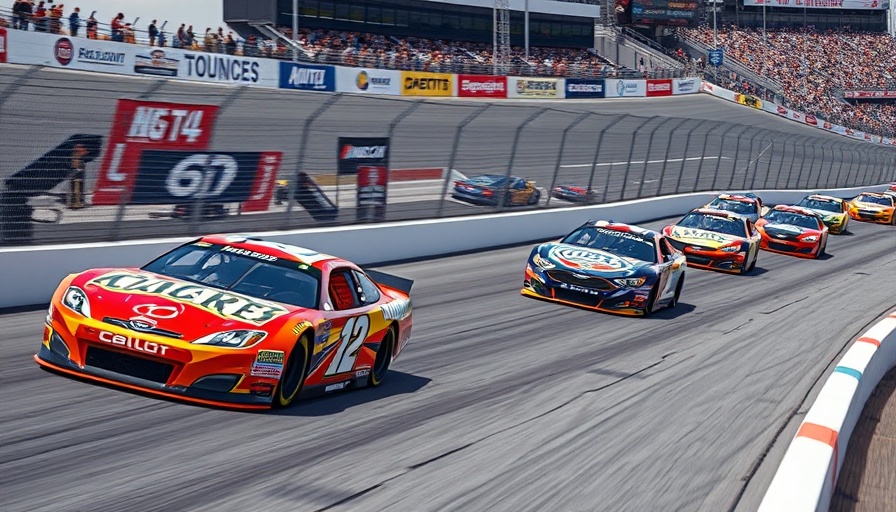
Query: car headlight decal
[631,282]
[811,238]
[76,300]
[730,248]
[542,263]
[234,339]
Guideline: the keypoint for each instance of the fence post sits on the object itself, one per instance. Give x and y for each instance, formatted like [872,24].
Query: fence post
[300,156]
[703,158]
[600,140]
[802,162]
[740,136]
[715,175]
[756,162]
[631,152]
[647,155]
[467,120]
[824,158]
[566,130]
[841,159]
[659,190]
[684,156]
[852,159]
[502,196]
[799,175]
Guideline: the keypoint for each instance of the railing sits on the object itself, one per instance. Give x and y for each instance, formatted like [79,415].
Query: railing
[615,156]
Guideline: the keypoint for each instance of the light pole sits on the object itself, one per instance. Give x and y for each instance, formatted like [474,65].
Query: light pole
[295,30]
[527,30]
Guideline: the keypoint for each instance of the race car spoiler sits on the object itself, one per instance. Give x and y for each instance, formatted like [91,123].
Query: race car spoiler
[399,283]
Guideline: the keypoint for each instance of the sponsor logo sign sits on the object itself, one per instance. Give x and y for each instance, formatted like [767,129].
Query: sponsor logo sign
[535,88]
[665,12]
[64,51]
[268,364]
[699,234]
[155,62]
[219,68]
[587,259]
[265,182]
[2,45]
[869,94]
[659,88]
[368,81]
[685,86]
[175,177]
[627,88]
[398,309]
[373,181]
[426,84]
[307,77]
[140,125]
[355,151]
[482,86]
[147,347]
[584,88]
[875,5]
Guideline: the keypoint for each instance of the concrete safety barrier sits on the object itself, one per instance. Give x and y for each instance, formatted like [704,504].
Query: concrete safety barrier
[28,275]
[807,476]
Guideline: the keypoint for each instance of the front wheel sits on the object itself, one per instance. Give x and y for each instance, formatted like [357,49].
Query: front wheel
[383,359]
[822,249]
[650,307]
[294,374]
[535,197]
[749,268]
[677,295]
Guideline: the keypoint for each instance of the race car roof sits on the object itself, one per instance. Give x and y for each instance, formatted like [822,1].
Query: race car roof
[825,198]
[738,197]
[718,213]
[795,209]
[623,228]
[280,250]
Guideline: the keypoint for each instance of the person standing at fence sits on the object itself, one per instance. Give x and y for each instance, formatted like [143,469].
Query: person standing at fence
[17,14]
[40,18]
[153,33]
[91,26]
[56,18]
[74,22]
[117,26]
[75,198]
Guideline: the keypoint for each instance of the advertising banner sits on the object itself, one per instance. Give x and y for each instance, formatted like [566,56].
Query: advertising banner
[265,180]
[307,77]
[373,182]
[665,12]
[415,83]
[228,69]
[685,86]
[368,81]
[481,86]
[520,87]
[868,5]
[870,95]
[140,125]
[42,49]
[626,88]
[748,100]
[368,158]
[584,88]
[178,177]
[2,45]
[156,62]
[659,88]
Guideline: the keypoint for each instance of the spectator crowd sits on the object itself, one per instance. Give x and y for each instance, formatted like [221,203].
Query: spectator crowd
[814,68]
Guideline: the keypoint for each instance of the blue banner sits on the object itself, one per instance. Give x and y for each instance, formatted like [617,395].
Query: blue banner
[307,77]
[174,177]
[584,88]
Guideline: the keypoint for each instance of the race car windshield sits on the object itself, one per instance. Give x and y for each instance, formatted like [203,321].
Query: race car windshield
[792,219]
[742,207]
[820,204]
[714,223]
[884,201]
[614,242]
[243,271]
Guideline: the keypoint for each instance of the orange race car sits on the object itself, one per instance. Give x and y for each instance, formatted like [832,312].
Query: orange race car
[873,207]
[793,230]
[716,239]
[230,321]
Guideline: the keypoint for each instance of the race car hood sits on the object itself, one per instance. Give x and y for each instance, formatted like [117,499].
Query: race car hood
[871,206]
[784,230]
[592,261]
[150,302]
[703,237]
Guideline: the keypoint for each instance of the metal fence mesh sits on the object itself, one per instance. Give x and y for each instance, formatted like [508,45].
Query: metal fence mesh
[619,156]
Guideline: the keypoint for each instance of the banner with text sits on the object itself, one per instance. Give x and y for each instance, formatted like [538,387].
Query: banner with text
[307,77]
[527,87]
[481,86]
[2,45]
[584,88]
[140,125]
[415,83]
[368,81]
[665,12]
[870,95]
[866,5]
[659,88]
[685,86]
[626,88]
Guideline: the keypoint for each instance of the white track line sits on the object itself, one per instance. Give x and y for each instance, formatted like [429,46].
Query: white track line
[605,164]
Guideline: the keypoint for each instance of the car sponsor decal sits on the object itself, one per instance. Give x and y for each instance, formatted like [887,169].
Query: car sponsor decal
[218,302]
[701,235]
[268,364]
[398,309]
[787,228]
[147,347]
[587,259]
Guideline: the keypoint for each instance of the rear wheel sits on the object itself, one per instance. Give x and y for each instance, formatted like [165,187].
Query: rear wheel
[294,373]
[383,359]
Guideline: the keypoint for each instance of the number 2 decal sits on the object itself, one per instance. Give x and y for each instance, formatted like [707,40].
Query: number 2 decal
[350,340]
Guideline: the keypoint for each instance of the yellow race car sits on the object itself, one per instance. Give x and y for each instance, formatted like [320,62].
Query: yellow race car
[873,207]
[832,211]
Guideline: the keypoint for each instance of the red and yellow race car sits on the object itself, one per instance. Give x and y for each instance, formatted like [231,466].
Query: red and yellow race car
[873,207]
[716,240]
[793,230]
[230,321]
[749,205]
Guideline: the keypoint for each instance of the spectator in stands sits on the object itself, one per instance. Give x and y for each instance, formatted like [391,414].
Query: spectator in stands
[180,38]
[127,34]
[117,25]
[230,44]
[40,18]
[153,33]
[74,22]
[191,38]
[91,26]
[55,16]
[18,19]
[210,41]
[250,47]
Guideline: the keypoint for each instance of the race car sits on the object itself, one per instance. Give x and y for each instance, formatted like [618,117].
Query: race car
[873,207]
[748,205]
[489,189]
[793,230]
[832,211]
[229,321]
[716,240]
[607,266]
[575,194]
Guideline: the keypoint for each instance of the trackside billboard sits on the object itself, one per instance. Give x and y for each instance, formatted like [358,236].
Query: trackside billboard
[659,88]
[481,86]
[585,88]
[685,86]
[368,81]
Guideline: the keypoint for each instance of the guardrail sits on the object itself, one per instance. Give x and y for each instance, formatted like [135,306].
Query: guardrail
[30,274]
[807,476]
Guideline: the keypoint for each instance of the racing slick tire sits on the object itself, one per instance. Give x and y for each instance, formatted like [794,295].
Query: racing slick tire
[383,359]
[650,307]
[749,268]
[295,371]
[535,198]
[822,250]
[678,287]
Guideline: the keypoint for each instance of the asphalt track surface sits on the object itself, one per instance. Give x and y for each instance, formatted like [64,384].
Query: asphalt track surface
[639,147]
[500,402]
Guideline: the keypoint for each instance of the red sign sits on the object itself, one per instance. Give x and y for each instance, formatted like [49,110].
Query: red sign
[263,186]
[870,94]
[140,125]
[2,45]
[811,120]
[659,88]
[481,86]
